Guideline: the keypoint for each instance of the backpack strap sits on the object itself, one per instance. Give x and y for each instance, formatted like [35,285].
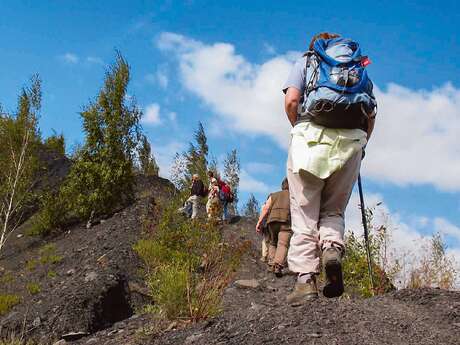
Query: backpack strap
[311,83]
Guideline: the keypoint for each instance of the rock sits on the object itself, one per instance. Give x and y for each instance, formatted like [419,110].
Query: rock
[19,235]
[91,276]
[37,322]
[60,342]
[73,336]
[70,272]
[135,287]
[171,326]
[257,307]
[112,332]
[457,324]
[191,339]
[247,284]
[314,335]
[92,341]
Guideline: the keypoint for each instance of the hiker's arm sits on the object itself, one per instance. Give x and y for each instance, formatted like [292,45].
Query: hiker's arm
[291,104]
[263,213]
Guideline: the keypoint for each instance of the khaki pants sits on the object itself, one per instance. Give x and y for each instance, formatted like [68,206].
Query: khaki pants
[214,208]
[194,201]
[317,212]
[279,236]
[265,241]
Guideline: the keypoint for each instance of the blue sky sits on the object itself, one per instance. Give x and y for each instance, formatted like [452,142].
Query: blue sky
[223,64]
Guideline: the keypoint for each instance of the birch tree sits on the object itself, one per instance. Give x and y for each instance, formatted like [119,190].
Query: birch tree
[19,136]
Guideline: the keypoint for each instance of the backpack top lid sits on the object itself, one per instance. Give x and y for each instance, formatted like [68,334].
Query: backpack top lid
[338,51]
[341,58]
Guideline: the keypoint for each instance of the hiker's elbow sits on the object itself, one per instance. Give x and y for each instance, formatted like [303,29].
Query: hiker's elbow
[291,101]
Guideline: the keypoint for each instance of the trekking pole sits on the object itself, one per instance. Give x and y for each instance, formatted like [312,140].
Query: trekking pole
[366,232]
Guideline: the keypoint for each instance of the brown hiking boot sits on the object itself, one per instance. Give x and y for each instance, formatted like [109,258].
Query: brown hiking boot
[303,292]
[332,263]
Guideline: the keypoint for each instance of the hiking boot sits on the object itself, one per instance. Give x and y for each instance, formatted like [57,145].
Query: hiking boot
[278,270]
[303,292]
[332,263]
[270,268]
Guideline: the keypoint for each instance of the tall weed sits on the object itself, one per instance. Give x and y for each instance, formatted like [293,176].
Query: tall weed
[187,265]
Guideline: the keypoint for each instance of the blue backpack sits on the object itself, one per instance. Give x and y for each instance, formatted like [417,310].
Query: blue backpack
[338,93]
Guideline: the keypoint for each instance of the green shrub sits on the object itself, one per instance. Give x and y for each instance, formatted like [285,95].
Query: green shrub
[56,143]
[33,288]
[170,283]
[436,268]
[355,263]
[51,274]
[52,215]
[7,278]
[187,265]
[356,272]
[31,264]
[7,302]
[48,254]
[102,176]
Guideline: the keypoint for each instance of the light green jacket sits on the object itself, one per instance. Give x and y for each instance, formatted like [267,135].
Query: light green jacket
[322,151]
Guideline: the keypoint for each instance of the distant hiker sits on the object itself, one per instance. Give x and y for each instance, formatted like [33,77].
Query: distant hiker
[226,197]
[213,206]
[276,211]
[331,107]
[197,190]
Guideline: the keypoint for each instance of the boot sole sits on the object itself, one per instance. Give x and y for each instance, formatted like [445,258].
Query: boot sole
[334,286]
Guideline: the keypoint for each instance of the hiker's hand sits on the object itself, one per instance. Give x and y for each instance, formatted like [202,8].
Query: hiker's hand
[258,229]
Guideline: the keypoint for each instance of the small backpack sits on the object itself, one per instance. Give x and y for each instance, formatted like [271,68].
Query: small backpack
[338,92]
[225,193]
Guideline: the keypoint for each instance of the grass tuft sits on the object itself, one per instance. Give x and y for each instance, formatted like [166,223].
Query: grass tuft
[7,302]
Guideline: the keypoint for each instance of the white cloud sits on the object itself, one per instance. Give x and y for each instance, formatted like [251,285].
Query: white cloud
[443,226]
[251,185]
[162,78]
[416,137]
[95,60]
[164,155]
[152,114]
[172,116]
[247,96]
[269,49]
[415,141]
[70,58]
[260,168]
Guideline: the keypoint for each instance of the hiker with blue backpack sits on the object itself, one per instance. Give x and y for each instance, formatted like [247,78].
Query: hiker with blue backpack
[330,104]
